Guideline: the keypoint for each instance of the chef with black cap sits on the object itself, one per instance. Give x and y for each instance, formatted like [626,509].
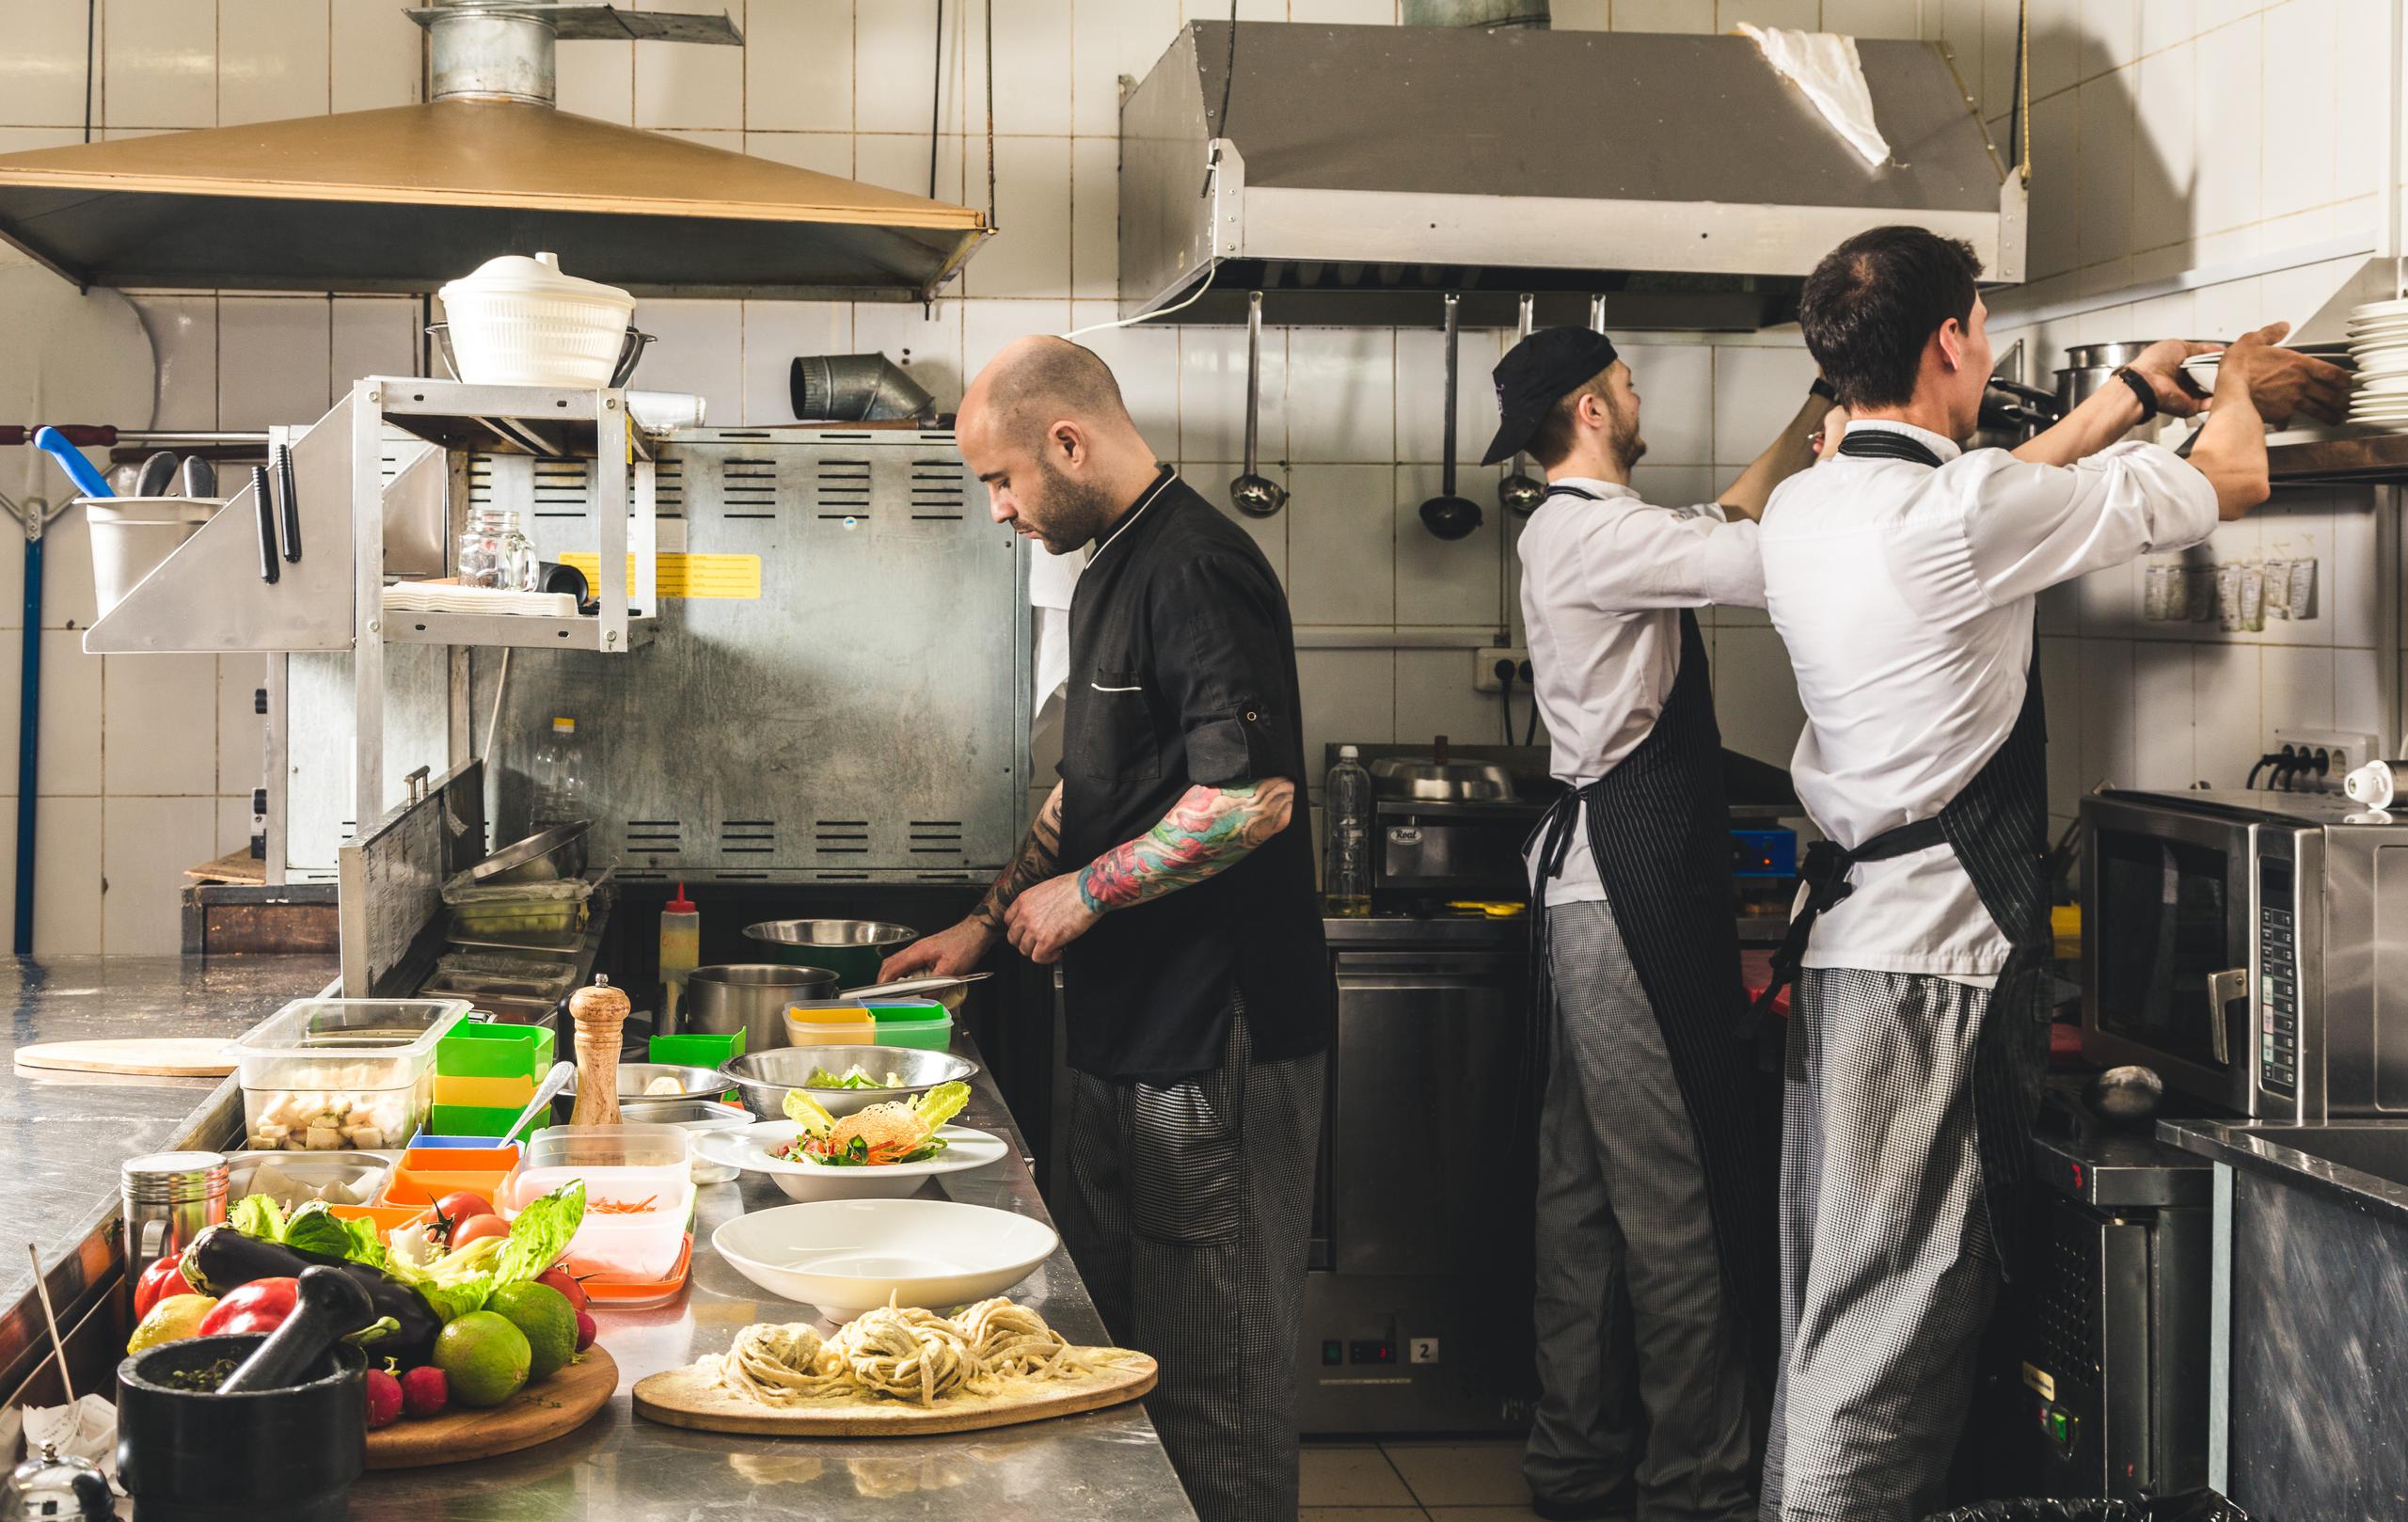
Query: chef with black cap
[1653,1253]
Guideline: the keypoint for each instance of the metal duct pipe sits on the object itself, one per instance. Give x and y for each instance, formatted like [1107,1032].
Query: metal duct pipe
[856,388]
[485,53]
[1476,13]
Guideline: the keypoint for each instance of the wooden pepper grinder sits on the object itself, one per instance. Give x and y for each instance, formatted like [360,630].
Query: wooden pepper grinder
[601,1013]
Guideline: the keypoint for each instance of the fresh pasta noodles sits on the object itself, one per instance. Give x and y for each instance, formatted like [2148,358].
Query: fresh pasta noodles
[898,1353]
[781,1365]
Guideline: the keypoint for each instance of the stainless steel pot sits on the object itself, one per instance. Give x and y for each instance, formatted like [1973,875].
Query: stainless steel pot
[2089,366]
[852,949]
[750,997]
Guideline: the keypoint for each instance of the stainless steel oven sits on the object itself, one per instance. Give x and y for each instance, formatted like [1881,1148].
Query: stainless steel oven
[2251,947]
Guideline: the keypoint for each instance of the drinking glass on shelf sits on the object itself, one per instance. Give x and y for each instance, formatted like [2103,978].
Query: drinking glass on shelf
[496,553]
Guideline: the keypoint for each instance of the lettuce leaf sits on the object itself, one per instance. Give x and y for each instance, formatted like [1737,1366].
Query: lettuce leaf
[257,1215]
[941,1103]
[540,1234]
[315,1228]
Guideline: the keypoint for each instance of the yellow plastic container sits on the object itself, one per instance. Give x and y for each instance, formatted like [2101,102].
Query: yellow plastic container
[483,1093]
[830,1024]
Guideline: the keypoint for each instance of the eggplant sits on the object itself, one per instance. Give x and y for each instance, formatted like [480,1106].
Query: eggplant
[222,1258]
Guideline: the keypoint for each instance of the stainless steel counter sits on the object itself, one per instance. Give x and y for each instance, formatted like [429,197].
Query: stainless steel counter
[620,1467]
[63,1135]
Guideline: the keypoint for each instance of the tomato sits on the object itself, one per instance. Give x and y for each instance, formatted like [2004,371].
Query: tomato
[461,1205]
[476,1226]
[162,1280]
[565,1282]
[258,1306]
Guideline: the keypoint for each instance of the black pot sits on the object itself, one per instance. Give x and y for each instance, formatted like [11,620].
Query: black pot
[193,1456]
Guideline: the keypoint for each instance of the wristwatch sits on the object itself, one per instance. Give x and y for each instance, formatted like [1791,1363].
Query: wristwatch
[2142,390]
[1824,389]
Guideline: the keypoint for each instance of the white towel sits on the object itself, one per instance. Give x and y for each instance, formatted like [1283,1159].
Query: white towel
[1825,65]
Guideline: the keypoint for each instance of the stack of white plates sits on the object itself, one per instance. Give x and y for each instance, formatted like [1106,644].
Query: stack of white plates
[2379,344]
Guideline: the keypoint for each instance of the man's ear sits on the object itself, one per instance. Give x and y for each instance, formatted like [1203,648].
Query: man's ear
[1069,440]
[1952,343]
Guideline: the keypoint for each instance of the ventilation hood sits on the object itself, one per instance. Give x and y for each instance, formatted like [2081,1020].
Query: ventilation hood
[1358,170]
[405,198]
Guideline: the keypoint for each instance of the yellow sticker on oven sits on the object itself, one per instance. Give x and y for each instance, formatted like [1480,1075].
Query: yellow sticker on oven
[687,575]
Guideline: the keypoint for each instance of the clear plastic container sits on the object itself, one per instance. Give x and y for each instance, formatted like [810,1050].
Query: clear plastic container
[623,1166]
[556,781]
[1346,858]
[327,1074]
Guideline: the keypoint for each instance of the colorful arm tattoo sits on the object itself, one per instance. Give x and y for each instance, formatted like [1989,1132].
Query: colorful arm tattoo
[1039,858]
[1207,831]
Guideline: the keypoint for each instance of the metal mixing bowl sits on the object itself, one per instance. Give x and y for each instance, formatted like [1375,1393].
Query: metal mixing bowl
[762,1078]
[852,949]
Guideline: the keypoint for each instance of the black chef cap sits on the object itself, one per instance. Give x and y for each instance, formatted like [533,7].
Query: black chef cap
[1535,375]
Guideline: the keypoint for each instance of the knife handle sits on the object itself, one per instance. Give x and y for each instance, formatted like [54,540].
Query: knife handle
[264,501]
[291,503]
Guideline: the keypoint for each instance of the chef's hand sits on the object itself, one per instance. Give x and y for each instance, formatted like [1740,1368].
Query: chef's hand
[2283,382]
[1048,918]
[1827,438]
[2161,365]
[946,954]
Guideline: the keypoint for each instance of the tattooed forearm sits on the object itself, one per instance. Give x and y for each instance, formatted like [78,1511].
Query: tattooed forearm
[1207,831]
[1040,853]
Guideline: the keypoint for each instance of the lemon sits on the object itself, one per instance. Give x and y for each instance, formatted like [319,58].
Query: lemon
[171,1320]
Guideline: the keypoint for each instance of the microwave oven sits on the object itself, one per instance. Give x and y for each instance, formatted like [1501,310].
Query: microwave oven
[2251,947]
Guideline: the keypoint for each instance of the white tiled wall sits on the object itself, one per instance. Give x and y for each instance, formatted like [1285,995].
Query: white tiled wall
[146,763]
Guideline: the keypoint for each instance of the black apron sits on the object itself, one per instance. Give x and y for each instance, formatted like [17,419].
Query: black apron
[1659,830]
[1997,826]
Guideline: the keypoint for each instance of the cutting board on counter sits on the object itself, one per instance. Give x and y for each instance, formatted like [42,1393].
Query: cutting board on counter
[148,1057]
[692,1397]
[537,1414]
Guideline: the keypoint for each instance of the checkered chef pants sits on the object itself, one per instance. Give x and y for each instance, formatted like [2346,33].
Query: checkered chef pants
[1188,1213]
[1887,1272]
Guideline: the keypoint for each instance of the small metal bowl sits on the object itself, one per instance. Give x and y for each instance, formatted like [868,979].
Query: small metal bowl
[635,1077]
[764,1078]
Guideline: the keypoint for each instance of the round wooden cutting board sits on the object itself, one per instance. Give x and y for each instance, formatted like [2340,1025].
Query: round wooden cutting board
[150,1056]
[690,1397]
[537,1414]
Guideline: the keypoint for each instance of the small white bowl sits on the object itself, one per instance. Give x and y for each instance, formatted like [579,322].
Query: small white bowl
[847,1255]
[750,1148]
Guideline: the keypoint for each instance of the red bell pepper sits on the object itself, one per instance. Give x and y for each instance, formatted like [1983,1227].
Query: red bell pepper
[257,1308]
[162,1280]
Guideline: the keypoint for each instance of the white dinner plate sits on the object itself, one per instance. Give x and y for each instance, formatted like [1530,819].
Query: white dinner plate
[847,1255]
[749,1149]
[2398,308]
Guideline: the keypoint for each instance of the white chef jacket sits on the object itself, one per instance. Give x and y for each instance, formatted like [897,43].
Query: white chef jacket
[1905,595]
[1601,586]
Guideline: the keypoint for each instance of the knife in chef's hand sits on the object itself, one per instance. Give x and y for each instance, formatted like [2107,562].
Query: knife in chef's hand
[264,501]
[292,503]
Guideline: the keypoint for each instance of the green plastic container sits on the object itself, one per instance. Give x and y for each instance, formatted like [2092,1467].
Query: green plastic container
[485,1050]
[695,1049]
[924,1024]
[478,1120]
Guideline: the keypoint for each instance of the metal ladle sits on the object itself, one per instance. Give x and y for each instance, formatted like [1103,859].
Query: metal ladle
[1518,493]
[1255,495]
[1448,516]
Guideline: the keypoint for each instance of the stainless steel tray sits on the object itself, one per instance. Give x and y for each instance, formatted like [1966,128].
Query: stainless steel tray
[557,852]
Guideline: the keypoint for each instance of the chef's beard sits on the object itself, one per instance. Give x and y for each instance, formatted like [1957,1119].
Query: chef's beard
[1071,514]
[1622,436]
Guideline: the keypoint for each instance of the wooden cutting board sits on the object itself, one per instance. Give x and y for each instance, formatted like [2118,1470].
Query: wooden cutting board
[537,1414]
[692,1397]
[153,1056]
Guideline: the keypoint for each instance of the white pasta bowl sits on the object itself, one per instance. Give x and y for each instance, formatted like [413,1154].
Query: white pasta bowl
[847,1255]
[753,1149]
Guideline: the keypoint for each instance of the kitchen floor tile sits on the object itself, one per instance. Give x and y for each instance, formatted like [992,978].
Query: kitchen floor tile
[1352,1478]
[1462,1474]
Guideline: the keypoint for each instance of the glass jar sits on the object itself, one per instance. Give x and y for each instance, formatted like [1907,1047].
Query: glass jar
[496,553]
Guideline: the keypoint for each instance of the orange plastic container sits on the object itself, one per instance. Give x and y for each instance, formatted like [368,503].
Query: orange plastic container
[619,1291]
[425,1174]
[385,1218]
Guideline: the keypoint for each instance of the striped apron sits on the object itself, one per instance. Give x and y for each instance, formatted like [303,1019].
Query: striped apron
[1660,829]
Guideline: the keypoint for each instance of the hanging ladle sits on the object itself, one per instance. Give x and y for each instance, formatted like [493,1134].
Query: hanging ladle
[1448,516]
[1518,493]
[1255,495]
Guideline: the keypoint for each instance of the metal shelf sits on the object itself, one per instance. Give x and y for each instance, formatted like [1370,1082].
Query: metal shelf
[2367,459]
[545,421]
[523,630]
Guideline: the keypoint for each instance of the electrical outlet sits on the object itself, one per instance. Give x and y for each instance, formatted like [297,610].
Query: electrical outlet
[2344,751]
[1483,668]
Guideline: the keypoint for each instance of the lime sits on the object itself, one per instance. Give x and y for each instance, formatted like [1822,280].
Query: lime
[547,1318]
[483,1357]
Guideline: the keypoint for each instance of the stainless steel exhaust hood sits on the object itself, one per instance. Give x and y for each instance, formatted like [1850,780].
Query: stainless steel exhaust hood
[1360,168]
[408,197]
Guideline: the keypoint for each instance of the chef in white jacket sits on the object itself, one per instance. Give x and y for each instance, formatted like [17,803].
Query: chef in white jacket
[1902,576]
[1652,1261]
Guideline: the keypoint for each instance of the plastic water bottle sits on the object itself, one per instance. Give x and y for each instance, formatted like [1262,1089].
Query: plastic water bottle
[1346,863]
[557,796]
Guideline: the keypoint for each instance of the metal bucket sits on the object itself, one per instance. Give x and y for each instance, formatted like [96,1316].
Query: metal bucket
[131,535]
[750,997]
[851,949]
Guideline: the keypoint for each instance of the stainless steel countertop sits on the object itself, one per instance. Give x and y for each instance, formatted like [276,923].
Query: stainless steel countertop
[1406,932]
[63,1135]
[620,1467]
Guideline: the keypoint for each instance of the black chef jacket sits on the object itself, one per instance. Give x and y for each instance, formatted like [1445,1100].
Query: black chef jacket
[1183,672]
